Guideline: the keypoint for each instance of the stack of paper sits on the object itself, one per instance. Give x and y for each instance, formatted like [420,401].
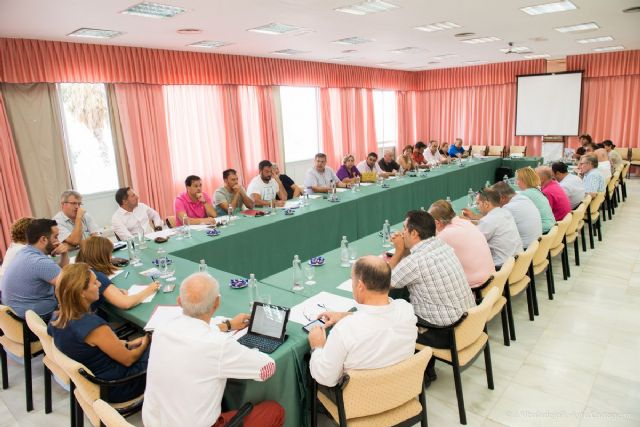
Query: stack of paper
[309,310]
[162,233]
[166,313]
[136,289]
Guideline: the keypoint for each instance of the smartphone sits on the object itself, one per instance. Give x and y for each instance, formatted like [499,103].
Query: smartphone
[307,328]
[168,288]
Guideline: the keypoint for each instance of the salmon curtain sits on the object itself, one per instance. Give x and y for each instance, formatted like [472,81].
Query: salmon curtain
[14,202]
[142,117]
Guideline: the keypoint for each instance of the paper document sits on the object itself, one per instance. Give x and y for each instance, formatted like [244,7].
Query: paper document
[224,219]
[136,289]
[291,204]
[346,286]
[309,310]
[151,272]
[166,313]
[314,196]
[366,184]
[167,232]
[342,190]
[198,227]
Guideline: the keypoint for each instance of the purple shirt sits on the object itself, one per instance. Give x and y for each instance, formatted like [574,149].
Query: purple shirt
[558,199]
[193,209]
[343,172]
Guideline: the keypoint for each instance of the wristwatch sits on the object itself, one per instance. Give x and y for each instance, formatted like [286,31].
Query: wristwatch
[226,322]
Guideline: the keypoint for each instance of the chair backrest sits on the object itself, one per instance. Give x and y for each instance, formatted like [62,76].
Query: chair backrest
[625,169]
[635,154]
[479,149]
[517,149]
[545,245]
[624,152]
[11,327]
[594,206]
[523,261]
[373,391]
[38,327]
[470,329]
[108,415]
[562,225]
[495,150]
[89,391]
[578,214]
[500,277]
[613,182]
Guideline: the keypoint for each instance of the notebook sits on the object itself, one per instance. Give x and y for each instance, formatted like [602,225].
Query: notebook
[266,328]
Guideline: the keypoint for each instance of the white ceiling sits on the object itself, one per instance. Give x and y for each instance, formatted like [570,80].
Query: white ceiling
[228,20]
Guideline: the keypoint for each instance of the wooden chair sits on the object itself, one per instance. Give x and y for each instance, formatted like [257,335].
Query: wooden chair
[495,151]
[378,397]
[518,149]
[37,325]
[519,281]
[498,281]
[610,194]
[479,149]
[541,262]
[623,180]
[468,337]
[592,218]
[634,159]
[559,245]
[577,226]
[15,338]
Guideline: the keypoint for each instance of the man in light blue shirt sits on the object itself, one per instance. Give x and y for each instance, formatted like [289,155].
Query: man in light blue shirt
[74,223]
[319,177]
[591,177]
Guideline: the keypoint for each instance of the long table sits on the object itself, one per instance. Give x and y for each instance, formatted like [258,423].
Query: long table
[266,245]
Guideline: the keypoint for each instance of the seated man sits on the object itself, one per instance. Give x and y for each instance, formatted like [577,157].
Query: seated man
[194,203]
[18,243]
[28,283]
[467,242]
[387,164]
[523,211]
[133,216]
[231,194]
[320,177]
[456,150]
[433,156]
[381,333]
[498,226]
[190,361]
[74,223]
[290,187]
[558,199]
[592,179]
[418,156]
[369,167]
[604,165]
[265,187]
[570,183]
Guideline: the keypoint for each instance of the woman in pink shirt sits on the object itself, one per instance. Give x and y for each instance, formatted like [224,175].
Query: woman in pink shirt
[558,199]
[468,243]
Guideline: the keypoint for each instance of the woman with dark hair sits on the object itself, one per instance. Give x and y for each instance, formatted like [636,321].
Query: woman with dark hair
[614,156]
[585,139]
[405,160]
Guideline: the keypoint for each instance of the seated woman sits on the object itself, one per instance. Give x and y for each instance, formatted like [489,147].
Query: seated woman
[405,160]
[348,172]
[96,251]
[88,339]
[529,183]
[444,149]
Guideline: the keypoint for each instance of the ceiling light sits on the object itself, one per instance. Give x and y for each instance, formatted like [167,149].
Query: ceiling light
[95,33]
[481,40]
[632,9]
[209,44]
[596,40]
[407,50]
[276,29]
[437,26]
[153,10]
[367,7]
[538,56]
[353,40]
[540,9]
[464,34]
[515,49]
[445,56]
[189,31]
[580,27]
[476,62]
[608,48]
[288,52]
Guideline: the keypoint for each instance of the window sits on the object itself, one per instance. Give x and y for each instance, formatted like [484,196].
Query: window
[386,117]
[87,130]
[299,122]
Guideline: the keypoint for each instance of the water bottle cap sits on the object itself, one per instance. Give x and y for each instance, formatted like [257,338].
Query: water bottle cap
[252,276]
[201,261]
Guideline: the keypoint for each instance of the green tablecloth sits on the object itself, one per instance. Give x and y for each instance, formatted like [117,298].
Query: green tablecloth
[516,164]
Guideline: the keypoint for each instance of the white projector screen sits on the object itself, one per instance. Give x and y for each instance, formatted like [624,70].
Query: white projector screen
[549,104]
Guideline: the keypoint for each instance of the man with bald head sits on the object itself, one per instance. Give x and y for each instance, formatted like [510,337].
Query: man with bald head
[387,164]
[382,332]
[560,204]
[604,165]
[191,359]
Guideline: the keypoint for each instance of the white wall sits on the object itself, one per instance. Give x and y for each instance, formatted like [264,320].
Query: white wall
[101,206]
[296,170]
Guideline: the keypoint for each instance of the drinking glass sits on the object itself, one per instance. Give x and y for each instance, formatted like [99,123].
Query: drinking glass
[353,253]
[230,216]
[177,232]
[308,271]
[169,272]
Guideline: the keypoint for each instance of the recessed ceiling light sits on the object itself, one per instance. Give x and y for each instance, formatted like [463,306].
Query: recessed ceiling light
[538,56]
[367,7]
[515,49]
[580,27]
[209,44]
[95,33]
[634,9]
[437,26]
[289,52]
[189,31]
[153,10]
[540,9]
[608,48]
[353,40]
[407,50]
[445,56]
[476,62]
[596,40]
[481,40]
[276,29]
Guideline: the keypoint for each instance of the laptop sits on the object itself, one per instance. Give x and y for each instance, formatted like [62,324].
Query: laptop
[266,328]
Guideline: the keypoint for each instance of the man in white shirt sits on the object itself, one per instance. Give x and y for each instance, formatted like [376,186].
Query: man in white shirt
[382,332]
[74,223]
[320,176]
[265,187]
[570,183]
[523,210]
[432,156]
[370,164]
[190,361]
[133,216]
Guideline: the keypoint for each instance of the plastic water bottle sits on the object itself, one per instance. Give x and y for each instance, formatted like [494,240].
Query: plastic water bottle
[344,252]
[307,192]
[487,184]
[297,274]
[202,267]
[333,190]
[386,234]
[185,227]
[470,197]
[448,199]
[253,289]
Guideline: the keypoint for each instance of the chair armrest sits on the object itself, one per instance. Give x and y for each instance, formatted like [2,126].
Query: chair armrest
[425,324]
[244,410]
[111,383]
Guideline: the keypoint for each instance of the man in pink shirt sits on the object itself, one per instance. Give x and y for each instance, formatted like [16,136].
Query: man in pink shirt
[194,203]
[560,204]
[468,243]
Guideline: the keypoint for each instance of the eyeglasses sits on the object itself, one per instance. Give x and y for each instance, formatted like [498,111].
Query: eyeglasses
[74,203]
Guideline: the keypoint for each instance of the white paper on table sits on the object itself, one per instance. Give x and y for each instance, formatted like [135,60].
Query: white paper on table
[162,233]
[342,190]
[224,219]
[312,307]
[151,272]
[199,227]
[366,184]
[136,289]
[314,196]
[346,286]
[291,204]
[115,274]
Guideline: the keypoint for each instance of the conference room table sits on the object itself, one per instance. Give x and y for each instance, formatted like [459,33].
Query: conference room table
[266,245]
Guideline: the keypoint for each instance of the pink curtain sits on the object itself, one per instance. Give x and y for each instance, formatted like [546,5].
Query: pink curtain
[348,125]
[14,202]
[142,117]
[406,106]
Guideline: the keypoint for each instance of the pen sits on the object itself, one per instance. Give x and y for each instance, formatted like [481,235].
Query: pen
[126,274]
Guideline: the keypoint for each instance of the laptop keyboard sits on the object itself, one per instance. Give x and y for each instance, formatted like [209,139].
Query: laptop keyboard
[264,344]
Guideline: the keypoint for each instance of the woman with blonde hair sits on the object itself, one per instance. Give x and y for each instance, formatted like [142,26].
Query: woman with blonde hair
[87,338]
[529,182]
[405,160]
[348,172]
[96,252]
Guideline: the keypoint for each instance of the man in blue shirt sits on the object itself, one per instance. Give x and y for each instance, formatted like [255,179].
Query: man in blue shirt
[29,281]
[456,150]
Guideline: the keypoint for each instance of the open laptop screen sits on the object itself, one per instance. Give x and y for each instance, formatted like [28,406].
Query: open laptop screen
[269,320]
